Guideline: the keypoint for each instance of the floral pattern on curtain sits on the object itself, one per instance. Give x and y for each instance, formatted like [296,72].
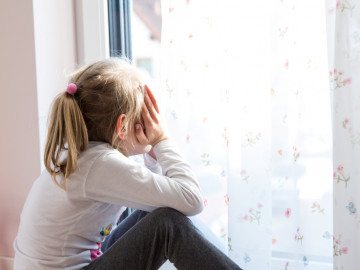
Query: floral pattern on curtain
[246,89]
[343,27]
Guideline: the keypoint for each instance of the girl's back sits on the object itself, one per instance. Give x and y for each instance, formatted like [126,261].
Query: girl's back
[59,228]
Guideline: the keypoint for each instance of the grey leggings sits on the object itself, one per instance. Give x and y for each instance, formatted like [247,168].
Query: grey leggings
[146,240]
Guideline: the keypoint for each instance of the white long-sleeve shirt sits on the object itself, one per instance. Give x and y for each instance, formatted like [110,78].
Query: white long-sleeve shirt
[63,229]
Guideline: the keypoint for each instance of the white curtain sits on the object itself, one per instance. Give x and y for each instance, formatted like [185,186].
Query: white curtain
[343,24]
[248,99]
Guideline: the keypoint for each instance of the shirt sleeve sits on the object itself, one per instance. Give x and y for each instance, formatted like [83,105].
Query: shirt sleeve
[152,164]
[116,179]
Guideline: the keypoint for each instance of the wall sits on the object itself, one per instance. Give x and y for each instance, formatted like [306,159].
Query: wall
[56,58]
[37,51]
[19,140]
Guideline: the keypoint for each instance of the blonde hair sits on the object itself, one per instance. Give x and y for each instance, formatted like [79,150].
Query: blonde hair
[105,90]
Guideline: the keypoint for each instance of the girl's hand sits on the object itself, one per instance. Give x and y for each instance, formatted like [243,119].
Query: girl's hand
[154,130]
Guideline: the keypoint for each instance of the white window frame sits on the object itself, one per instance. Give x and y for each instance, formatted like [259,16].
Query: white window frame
[92,30]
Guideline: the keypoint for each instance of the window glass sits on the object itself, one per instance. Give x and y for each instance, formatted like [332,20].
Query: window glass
[146,35]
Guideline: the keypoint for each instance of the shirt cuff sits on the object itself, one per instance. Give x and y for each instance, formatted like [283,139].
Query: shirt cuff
[163,144]
[152,164]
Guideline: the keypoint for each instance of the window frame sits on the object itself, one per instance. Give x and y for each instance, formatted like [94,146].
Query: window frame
[119,13]
[92,30]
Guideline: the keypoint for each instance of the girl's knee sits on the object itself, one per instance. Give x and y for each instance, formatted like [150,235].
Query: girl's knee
[166,214]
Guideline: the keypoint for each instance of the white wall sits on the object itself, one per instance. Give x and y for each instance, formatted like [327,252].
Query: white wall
[37,50]
[56,58]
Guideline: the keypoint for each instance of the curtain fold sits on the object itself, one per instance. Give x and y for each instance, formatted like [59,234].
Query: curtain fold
[343,29]
[246,88]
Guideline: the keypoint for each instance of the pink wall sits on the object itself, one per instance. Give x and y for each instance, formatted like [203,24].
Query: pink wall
[36,55]
[19,137]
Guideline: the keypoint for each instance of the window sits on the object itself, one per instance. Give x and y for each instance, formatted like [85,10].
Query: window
[120,28]
[135,32]
[293,191]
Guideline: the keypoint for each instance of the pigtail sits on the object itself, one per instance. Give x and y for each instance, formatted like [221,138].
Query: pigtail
[67,131]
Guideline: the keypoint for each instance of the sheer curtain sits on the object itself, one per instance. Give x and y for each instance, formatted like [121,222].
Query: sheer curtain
[343,25]
[246,88]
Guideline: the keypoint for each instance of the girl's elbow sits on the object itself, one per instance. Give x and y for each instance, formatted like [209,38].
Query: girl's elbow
[196,207]
[199,208]
[192,201]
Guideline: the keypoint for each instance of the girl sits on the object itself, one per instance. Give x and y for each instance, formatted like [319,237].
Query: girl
[105,116]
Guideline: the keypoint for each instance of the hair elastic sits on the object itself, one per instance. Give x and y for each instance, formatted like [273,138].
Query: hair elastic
[71,89]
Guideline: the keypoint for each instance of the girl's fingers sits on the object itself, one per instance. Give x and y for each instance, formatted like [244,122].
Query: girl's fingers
[152,98]
[150,107]
[140,135]
[147,118]
[150,115]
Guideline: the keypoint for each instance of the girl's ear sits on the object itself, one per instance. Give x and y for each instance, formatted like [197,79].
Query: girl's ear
[120,127]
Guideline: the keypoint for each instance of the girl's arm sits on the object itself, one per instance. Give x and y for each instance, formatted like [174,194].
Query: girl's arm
[151,162]
[116,179]
[127,183]
[152,154]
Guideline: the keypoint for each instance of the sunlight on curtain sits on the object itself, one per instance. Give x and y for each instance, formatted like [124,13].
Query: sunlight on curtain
[245,85]
[343,27]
